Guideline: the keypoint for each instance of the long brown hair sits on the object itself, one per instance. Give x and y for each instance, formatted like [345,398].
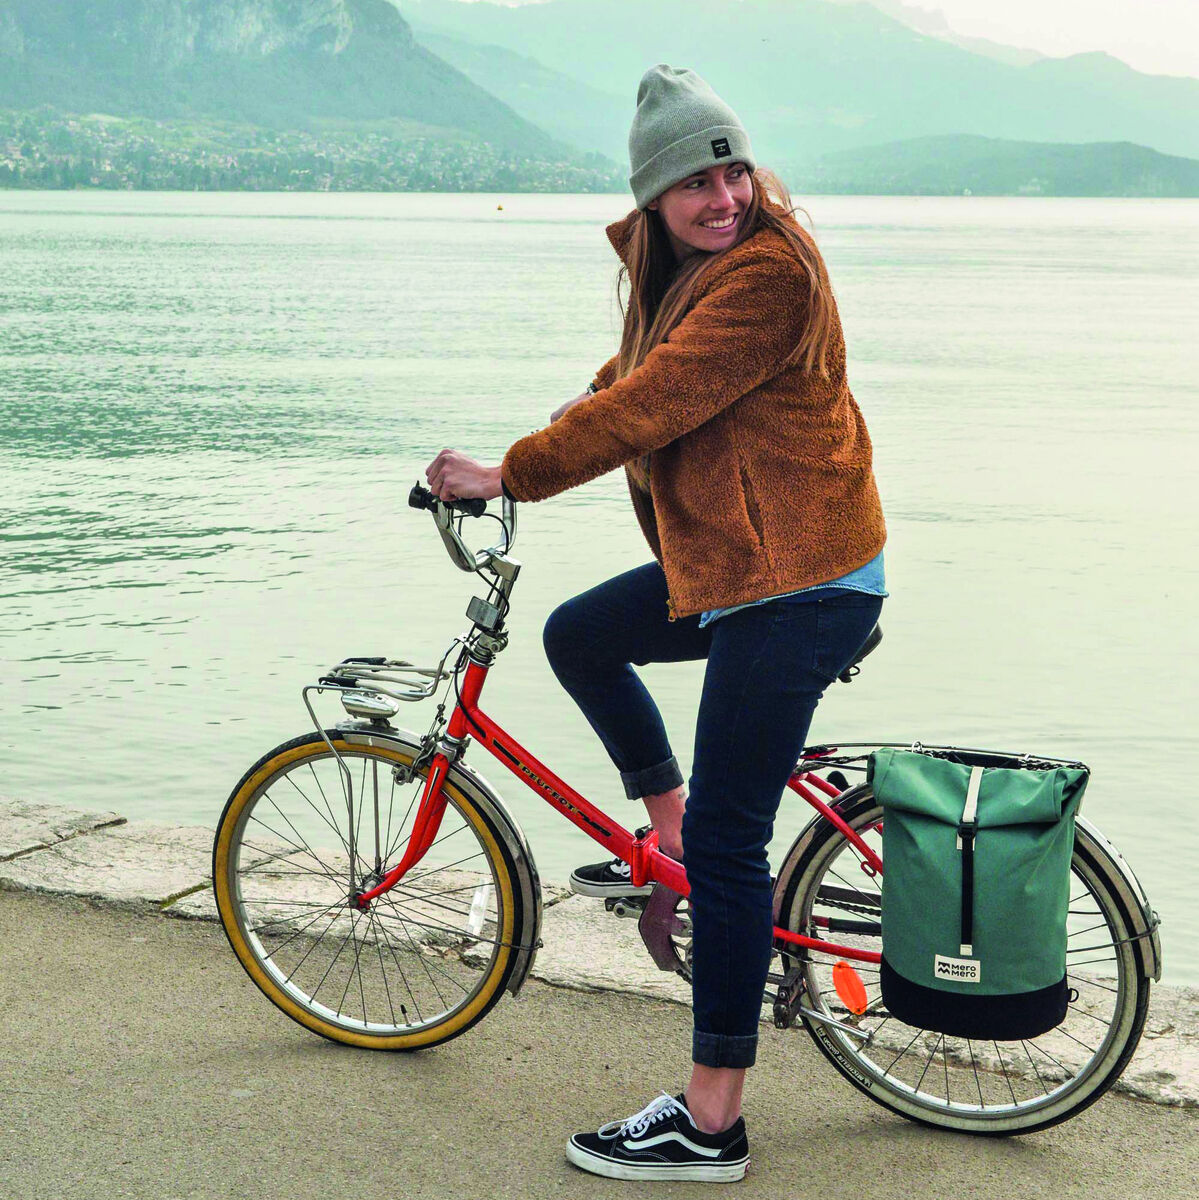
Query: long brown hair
[661,289]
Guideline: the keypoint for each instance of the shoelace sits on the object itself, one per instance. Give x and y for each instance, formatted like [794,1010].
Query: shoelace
[658,1109]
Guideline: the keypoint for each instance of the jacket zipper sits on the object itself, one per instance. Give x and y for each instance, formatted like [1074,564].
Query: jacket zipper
[671,615]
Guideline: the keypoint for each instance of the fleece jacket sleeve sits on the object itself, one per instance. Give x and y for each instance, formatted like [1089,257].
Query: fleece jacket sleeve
[606,373]
[736,336]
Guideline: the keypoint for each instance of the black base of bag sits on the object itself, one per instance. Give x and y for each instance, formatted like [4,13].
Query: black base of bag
[982,1018]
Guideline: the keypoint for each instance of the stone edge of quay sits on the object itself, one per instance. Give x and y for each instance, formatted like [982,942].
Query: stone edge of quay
[146,867]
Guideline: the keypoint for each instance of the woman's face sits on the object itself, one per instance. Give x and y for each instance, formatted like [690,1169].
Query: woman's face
[694,208]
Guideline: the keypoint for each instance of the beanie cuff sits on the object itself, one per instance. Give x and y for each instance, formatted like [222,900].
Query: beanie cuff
[695,152]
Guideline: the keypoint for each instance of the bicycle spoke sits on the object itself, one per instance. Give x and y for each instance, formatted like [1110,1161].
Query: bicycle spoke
[382,968]
[1086,981]
[1036,1072]
[304,958]
[260,929]
[1003,1068]
[887,1069]
[332,821]
[928,1062]
[420,957]
[303,848]
[974,1067]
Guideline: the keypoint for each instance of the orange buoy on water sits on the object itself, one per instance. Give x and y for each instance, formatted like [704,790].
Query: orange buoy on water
[850,987]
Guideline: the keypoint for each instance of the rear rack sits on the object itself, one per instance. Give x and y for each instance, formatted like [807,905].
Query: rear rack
[814,758]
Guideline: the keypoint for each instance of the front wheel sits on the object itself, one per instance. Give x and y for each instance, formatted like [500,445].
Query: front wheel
[826,891]
[299,838]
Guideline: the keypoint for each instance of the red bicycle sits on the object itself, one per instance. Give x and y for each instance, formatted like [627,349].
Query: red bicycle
[379,891]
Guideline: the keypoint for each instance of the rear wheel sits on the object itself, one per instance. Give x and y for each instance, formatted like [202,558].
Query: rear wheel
[828,891]
[428,958]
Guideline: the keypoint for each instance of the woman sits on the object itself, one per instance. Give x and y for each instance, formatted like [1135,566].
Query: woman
[749,468]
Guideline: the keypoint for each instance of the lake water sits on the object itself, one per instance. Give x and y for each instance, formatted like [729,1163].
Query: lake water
[212,408]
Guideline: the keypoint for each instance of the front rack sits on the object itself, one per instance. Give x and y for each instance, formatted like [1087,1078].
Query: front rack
[376,674]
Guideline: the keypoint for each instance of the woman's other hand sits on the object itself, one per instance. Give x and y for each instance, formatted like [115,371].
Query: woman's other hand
[453,475]
[568,405]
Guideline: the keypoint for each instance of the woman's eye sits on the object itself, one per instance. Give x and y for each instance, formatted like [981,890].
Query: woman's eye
[734,174]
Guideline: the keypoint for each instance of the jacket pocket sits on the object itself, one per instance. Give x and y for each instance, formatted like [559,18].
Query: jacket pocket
[751,505]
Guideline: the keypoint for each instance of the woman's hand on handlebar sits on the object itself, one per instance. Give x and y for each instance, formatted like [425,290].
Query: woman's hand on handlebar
[568,405]
[453,475]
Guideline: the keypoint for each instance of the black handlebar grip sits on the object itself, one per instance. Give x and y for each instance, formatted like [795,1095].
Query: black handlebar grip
[422,497]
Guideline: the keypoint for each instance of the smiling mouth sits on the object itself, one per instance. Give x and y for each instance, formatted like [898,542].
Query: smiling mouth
[726,223]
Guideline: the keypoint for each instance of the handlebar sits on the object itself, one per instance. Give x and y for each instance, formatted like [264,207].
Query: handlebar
[444,513]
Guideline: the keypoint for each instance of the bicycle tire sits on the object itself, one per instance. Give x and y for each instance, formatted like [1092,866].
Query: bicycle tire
[801,900]
[449,944]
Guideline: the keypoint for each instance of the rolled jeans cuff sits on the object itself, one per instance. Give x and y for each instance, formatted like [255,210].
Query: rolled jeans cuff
[722,1050]
[652,781]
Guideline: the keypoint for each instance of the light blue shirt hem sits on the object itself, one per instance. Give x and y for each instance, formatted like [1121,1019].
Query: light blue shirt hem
[867,578]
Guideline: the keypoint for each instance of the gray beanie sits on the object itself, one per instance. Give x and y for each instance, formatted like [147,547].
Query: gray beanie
[681,126]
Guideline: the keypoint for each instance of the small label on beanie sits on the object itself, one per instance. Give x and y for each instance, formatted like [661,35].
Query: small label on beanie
[720,147]
[960,970]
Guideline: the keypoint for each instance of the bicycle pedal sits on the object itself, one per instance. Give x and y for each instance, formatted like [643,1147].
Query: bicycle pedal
[625,906]
[787,999]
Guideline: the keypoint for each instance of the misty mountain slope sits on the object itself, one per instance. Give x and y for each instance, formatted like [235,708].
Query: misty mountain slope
[562,106]
[810,76]
[957,164]
[273,62]
[933,22]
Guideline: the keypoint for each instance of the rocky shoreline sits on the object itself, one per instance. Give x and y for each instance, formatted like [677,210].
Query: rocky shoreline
[145,866]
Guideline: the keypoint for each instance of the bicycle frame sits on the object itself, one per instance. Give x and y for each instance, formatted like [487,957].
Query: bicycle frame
[647,863]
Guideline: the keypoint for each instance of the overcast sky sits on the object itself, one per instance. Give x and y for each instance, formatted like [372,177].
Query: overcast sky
[1158,36]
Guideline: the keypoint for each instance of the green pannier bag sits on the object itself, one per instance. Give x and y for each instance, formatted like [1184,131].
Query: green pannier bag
[976,888]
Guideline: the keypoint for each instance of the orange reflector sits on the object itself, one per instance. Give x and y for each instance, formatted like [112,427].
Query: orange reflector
[850,987]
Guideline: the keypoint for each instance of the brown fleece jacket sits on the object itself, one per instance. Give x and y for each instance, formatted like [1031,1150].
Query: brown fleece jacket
[761,476]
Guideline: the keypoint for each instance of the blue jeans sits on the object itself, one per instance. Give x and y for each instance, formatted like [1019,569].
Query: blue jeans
[767,668]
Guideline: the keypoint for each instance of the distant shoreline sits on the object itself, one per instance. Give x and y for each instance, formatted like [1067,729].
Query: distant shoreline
[45,150]
[796,192]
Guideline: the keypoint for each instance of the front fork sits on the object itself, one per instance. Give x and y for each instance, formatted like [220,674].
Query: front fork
[424,830]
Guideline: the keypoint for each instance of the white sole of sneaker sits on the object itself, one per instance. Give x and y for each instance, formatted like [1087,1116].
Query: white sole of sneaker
[728,1172]
[606,890]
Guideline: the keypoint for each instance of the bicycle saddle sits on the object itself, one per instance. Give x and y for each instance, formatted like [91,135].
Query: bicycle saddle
[872,639]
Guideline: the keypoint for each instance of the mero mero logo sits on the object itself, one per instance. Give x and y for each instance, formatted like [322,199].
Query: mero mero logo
[720,148]
[960,970]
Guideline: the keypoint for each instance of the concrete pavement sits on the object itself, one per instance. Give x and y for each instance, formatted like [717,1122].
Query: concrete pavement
[138,1060]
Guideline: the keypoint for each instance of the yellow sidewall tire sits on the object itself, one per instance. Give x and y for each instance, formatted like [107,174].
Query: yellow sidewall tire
[456,1022]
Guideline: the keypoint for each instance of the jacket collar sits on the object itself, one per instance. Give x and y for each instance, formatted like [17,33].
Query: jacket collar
[621,232]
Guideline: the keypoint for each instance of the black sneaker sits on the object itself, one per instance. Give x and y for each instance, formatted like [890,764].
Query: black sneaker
[611,878]
[662,1142]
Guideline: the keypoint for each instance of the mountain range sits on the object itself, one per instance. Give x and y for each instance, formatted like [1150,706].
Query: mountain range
[276,63]
[806,76]
[555,82]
